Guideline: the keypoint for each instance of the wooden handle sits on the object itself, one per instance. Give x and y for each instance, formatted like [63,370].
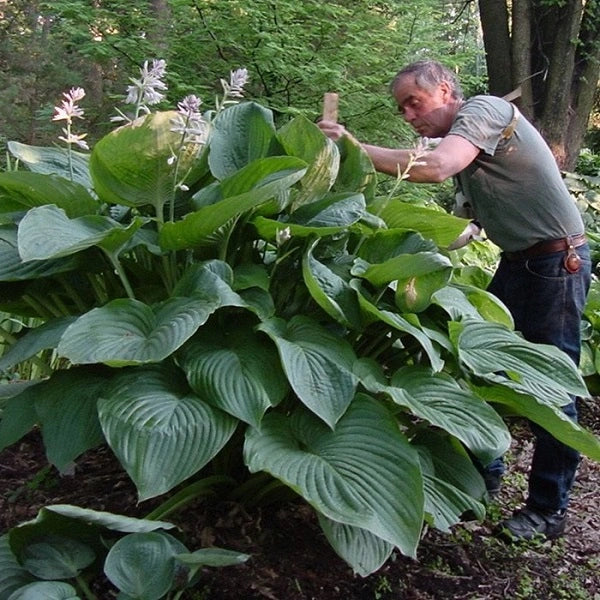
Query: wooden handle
[330,107]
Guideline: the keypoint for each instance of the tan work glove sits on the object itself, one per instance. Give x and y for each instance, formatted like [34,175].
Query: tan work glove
[471,231]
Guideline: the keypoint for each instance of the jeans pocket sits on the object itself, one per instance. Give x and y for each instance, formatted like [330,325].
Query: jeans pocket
[548,266]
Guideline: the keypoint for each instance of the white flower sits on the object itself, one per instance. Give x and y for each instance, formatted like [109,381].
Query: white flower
[68,109]
[282,236]
[72,138]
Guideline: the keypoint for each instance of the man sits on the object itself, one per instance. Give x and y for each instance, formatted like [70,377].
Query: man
[508,175]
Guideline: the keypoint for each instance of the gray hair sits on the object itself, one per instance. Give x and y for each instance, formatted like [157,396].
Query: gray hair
[428,75]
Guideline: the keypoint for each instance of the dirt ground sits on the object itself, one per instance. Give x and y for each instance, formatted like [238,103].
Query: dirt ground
[291,560]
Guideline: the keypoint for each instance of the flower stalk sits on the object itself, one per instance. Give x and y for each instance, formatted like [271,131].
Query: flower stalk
[67,111]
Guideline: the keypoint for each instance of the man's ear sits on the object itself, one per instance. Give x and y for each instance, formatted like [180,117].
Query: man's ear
[446,90]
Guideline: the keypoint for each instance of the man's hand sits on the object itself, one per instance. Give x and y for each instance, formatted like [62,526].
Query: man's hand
[471,231]
[334,130]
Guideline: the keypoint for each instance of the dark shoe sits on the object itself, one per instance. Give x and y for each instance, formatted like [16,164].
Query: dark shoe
[493,483]
[529,522]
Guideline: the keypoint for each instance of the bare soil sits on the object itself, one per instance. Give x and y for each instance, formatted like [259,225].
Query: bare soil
[290,558]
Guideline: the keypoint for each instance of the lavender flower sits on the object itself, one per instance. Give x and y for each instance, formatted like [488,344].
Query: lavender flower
[144,91]
[189,122]
[235,86]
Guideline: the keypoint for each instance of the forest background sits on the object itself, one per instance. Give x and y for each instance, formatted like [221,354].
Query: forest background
[546,50]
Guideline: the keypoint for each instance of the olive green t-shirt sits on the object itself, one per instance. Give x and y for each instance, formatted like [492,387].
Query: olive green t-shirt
[514,185]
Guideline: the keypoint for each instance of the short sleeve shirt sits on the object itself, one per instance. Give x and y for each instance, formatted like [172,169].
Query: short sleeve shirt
[514,185]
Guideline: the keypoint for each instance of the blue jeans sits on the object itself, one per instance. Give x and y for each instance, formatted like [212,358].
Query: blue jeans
[546,302]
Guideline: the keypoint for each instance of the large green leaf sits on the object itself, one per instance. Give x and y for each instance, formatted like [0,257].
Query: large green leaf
[161,432]
[22,190]
[317,363]
[48,590]
[57,557]
[131,166]
[331,292]
[12,267]
[212,278]
[12,575]
[82,524]
[35,340]
[46,232]
[142,565]
[226,368]
[444,503]
[333,214]
[357,173]
[468,302]
[212,557]
[551,418]
[450,461]
[334,210]
[502,356]
[406,323]
[365,473]
[414,293]
[197,228]
[241,134]
[439,400]
[129,332]
[389,243]
[361,549]
[107,520]
[54,161]
[18,416]
[305,140]
[66,409]
[403,267]
[432,224]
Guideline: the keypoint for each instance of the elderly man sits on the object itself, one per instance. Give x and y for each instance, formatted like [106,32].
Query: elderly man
[508,175]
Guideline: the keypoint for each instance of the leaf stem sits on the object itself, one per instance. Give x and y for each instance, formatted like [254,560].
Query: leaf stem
[122,276]
[87,592]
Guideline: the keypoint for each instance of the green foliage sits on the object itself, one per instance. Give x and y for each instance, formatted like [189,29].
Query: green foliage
[65,548]
[584,185]
[254,288]
[295,50]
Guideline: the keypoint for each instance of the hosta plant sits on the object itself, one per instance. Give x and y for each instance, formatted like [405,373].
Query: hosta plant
[66,549]
[240,302]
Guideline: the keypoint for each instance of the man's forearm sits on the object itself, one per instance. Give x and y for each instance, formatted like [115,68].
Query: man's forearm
[388,160]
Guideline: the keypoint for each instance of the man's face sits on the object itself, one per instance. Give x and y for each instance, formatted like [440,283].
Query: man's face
[429,112]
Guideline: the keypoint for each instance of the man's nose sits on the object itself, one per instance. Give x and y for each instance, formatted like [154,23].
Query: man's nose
[408,115]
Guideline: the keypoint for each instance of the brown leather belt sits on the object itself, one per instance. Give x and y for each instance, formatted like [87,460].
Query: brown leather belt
[547,247]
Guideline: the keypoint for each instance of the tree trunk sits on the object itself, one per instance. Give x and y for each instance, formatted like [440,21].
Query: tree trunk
[587,69]
[556,114]
[158,34]
[521,55]
[552,53]
[496,39]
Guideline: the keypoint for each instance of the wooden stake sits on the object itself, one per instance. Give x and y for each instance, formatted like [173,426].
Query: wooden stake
[330,107]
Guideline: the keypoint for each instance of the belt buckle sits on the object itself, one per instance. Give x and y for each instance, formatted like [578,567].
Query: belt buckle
[572,261]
